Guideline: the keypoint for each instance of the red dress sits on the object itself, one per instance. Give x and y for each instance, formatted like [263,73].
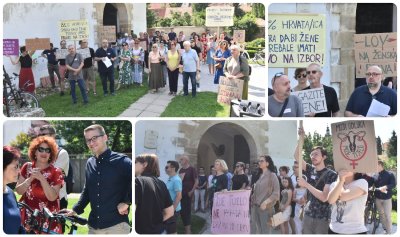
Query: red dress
[26,79]
[35,196]
[204,53]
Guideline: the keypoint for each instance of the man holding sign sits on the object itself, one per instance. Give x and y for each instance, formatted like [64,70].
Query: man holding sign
[282,103]
[372,99]
[319,178]
[314,74]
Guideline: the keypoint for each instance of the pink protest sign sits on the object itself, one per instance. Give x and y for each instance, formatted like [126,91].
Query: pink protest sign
[10,47]
[230,213]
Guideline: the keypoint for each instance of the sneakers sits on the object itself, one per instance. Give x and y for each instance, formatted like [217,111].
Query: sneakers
[198,89]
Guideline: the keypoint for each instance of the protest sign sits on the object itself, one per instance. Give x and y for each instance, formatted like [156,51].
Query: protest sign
[108,33]
[10,47]
[239,36]
[354,146]
[376,49]
[84,52]
[313,100]
[229,89]
[230,212]
[74,29]
[37,43]
[296,40]
[61,53]
[219,16]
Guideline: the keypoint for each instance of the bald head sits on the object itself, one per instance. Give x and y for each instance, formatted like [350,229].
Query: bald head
[374,77]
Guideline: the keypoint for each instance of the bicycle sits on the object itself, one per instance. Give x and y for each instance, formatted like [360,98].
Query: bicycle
[371,213]
[13,99]
[34,224]
[259,55]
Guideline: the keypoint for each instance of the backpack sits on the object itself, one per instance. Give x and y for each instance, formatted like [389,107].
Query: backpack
[240,63]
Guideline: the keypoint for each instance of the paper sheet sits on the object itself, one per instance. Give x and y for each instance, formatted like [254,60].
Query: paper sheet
[107,62]
[378,109]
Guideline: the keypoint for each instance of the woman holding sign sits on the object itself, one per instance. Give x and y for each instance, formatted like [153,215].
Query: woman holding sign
[348,196]
[26,79]
[265,195]
[237,67]
[220,180]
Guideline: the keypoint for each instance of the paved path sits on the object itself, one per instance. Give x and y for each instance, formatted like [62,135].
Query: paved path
[152,105]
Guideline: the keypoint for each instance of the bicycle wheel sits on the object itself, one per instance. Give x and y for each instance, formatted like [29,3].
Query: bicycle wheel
[25,100]
[375,219]
[368,214]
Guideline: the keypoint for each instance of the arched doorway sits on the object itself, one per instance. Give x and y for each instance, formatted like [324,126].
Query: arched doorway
[227,141]
[116,14]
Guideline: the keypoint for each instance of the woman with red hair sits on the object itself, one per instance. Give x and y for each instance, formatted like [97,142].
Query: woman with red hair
[40,182]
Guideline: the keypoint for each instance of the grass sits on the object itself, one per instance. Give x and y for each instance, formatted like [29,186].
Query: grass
[394,217]
[99,106]
[196,225]
[203,105]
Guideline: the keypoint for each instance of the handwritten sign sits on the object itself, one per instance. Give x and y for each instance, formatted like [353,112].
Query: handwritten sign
[239,36]
[230,213]
[376,49]
[61,53]
[314,100]
[296,40]
[219,16]
[37,43]
[354,146]
[84,52]
[10,47]
[74,29]
[108,33]
[229,89]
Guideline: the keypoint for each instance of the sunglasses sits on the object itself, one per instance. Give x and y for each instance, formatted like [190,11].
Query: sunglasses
[301,75]
[312,72]
[43,149]
[279,74]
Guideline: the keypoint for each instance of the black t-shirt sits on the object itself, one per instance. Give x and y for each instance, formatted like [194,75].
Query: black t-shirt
[220,183]
[51,56]
[238,181]
[331,101]
[26,61]
[197,49]
[202,180]
[88,62]
[151,198]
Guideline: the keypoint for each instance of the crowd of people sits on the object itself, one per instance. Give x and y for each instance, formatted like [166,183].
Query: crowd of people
[281,103]
[320,201]
[42,183]
[164,55]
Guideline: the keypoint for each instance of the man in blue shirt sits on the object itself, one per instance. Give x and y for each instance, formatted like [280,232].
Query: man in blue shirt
[108,186]
[106,73]
[191,65]
[361,98]
[174,186]
[52,66]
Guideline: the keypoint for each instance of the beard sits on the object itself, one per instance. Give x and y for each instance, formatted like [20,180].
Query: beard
[372,85]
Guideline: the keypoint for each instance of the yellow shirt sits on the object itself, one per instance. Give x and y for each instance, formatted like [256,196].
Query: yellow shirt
[173,59]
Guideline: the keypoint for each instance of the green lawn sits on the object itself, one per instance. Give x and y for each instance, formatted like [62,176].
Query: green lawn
[394,217]
[203,105]
[99,106]
[197,225]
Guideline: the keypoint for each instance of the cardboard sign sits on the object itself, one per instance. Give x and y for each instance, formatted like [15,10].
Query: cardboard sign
[296,40]
[61,53]
[74,30]
[314,100]
[239,36]
[108,33]
[84,52]
[10,47]
[219,16]
[354,146]
[230,212]
[37,43]
[229,89]
[376,49]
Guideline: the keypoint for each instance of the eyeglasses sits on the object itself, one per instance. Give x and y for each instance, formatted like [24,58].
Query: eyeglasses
[124,45]
[261,161]
[373,74]
[93,139]
[279,74]
[43,149]
[301,75]
[312,72]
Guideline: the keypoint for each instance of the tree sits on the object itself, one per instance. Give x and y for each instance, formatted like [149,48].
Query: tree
[119,135]
[175,4]
[21,142]
[379,145]
[316,139]
[239,13]
[151,18]
[392,147]
[258,10]
[248,23]
[199,7]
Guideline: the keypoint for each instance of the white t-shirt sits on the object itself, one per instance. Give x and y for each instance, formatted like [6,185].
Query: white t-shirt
[348,217]
[210,177]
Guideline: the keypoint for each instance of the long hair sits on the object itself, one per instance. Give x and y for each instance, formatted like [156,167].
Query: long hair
[271,165]
[290,185]
[152,167]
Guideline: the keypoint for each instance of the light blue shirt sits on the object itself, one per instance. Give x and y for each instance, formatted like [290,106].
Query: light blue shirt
[174,185]
[190,60]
